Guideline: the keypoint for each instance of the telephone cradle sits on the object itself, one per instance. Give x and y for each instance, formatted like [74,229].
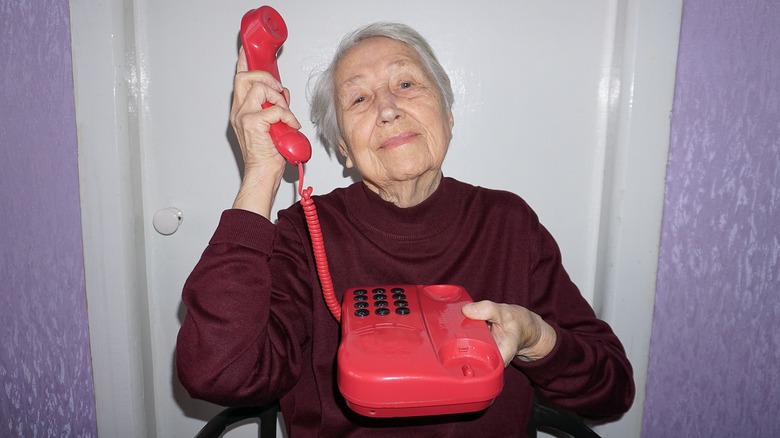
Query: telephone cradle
[408,350]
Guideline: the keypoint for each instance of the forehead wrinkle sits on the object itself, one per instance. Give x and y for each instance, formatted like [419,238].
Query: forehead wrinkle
[396,64]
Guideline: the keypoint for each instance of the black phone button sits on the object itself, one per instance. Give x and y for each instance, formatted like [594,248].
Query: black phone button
[380,297]
[403,311]
[361,313]
[382,311]
[397,290]
[400,303]
[380,303]
[361,298]
[359,291]
[379,290]
[361,305]
[399,296]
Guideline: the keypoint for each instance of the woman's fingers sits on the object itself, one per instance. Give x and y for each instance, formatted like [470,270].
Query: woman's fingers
[251,121]
[254,88]
[241,64]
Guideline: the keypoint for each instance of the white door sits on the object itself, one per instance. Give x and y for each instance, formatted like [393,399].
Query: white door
[565,103]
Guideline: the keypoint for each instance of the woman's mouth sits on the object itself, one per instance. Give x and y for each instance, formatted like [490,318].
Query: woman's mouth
[398,140]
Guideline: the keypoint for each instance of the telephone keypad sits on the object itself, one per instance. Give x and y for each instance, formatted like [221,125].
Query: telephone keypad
[379,298]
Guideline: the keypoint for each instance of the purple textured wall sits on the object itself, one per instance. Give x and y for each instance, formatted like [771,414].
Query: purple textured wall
[46,384]
[714,366]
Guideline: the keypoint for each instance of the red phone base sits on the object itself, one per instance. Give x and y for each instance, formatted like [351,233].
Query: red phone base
[408,350]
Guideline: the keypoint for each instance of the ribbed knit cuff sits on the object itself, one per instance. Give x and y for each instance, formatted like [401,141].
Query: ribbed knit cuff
[551,366]
[245,228]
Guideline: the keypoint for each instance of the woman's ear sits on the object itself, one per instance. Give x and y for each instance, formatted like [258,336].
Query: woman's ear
[344,151]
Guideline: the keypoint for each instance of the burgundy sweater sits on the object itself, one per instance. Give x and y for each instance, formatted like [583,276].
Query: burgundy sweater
[257,327]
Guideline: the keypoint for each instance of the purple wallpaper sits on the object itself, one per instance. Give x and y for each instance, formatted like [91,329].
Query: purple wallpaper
[46,384]
[714,366]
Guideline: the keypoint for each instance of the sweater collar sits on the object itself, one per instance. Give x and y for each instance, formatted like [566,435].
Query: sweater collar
[427,219]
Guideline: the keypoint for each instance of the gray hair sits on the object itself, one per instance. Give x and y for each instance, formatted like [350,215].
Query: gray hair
[323,97]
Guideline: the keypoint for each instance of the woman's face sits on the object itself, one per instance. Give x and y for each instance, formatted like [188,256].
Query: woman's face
[393,124]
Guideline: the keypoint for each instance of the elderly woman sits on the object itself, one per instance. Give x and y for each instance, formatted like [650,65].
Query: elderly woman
[257,327]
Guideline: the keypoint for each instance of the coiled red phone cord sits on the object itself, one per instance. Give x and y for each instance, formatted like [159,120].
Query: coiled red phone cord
[318,247]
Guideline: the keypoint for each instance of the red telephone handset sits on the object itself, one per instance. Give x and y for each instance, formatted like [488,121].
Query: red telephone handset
[263,31]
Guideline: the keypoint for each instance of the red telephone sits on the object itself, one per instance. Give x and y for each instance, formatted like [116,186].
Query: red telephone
[406,350]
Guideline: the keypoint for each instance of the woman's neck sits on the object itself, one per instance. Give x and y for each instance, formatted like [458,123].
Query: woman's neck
[410,192]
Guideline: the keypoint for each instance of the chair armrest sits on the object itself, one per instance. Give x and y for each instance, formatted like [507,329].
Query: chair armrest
[218,424]
[547,417]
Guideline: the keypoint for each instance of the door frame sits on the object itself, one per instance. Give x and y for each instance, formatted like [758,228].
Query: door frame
[106,94]
[108,88]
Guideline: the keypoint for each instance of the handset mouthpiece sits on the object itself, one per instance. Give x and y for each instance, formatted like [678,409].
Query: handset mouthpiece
[291,144]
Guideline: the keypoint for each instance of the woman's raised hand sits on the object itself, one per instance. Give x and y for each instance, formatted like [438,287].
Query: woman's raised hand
[263,165]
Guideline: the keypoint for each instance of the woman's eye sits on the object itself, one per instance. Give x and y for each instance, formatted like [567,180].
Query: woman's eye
[405,84]
[360,99]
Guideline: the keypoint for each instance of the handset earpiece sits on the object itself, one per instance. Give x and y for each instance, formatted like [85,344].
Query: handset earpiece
[263,31]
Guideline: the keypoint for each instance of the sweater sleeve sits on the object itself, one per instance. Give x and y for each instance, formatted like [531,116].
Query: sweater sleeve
[587,371]
[240,342]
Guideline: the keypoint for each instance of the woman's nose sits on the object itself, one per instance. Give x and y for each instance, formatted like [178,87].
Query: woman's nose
[387,107]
